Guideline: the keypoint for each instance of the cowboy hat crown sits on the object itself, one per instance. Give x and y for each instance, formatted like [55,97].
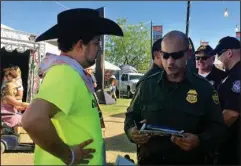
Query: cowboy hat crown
[81,22]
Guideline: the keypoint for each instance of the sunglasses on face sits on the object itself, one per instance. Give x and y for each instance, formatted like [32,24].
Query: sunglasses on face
[174,55]
[201,58]
[221,52]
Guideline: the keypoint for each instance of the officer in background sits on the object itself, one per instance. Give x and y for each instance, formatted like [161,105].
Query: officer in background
[175,98]
[206,68]
[228,52]
[157,64]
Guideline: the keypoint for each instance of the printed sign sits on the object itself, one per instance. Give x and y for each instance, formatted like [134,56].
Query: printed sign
[157,31]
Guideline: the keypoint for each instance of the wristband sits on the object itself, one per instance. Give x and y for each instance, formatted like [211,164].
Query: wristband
[73,157]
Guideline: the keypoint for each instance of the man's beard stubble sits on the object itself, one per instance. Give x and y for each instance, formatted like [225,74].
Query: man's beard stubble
[90,63]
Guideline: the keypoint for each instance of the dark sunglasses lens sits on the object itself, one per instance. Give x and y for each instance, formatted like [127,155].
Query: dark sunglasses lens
[198,58]
[166,55]
[177,55]
[201,58]
[221,52]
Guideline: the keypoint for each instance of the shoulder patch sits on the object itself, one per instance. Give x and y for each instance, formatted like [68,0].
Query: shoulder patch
[236,86]
[215,97]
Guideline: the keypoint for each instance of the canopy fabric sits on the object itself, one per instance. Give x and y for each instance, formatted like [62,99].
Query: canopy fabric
[24,36]
[108,66]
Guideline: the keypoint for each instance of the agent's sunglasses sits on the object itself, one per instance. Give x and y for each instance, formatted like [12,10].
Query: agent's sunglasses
[221,52]
[201,58]
[174,55]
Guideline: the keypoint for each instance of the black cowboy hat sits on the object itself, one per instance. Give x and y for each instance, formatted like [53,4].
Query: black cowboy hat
[81,22]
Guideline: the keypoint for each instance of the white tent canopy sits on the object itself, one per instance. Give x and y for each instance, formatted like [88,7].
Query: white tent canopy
[108,66]
[23,37]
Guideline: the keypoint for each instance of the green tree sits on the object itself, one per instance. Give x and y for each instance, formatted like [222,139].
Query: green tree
[132,49]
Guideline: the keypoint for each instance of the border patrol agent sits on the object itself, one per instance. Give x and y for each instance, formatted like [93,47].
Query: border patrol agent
[228,51]
[157,66]
[214,75]
[180,105]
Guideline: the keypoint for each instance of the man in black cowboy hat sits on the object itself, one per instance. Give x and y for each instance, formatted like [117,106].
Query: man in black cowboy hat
[205,65]
[63,118]
[228,52]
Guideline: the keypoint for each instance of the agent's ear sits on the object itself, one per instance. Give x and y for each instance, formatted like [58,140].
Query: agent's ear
[230,53]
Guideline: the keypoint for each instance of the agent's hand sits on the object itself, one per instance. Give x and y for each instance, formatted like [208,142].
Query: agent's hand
[189,142]
[137,137]
[82,155]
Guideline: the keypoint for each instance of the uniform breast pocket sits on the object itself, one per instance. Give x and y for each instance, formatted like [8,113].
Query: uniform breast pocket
[192,119]
[152,113]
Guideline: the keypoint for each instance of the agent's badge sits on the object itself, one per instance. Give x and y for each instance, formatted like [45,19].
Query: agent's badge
[192,96]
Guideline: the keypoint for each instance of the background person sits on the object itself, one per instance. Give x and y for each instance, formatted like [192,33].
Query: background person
[206,68]
[228,52]
[175,99]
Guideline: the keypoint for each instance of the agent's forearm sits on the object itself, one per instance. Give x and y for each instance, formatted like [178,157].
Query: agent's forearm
[46,137]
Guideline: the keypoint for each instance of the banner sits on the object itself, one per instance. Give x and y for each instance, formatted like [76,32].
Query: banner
[157,31]
[238,35]
[203,43]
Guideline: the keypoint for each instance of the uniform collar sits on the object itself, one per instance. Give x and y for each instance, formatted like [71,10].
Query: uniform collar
[235,67]
[155,66]
[187,76]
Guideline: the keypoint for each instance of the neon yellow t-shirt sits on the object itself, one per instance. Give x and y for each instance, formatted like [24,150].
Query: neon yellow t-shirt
[78,120]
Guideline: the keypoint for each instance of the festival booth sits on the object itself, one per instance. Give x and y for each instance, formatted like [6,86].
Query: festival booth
[19,49]
[110,69]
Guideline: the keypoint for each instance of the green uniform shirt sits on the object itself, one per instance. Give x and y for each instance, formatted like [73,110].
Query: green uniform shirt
[154,70]
[191,105]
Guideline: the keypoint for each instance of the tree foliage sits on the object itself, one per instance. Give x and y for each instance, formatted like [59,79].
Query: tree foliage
[132,49]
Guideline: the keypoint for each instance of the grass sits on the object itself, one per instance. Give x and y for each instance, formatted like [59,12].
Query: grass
[119,107]
[115,138]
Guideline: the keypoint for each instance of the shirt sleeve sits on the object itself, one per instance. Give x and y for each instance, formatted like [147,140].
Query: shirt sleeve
[214,126]
[59,87]
[231,99]
[133,112]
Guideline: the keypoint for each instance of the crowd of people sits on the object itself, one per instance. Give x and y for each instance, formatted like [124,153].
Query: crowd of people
[11,98]
[204,103]
[64,122]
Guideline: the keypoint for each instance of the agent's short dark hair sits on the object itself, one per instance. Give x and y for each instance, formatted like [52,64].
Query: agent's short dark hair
[156,47]
[66,43]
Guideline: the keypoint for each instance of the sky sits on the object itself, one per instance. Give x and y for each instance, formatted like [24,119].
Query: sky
[207,21]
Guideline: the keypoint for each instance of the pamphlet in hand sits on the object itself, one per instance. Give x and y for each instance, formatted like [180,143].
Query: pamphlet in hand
[156,130]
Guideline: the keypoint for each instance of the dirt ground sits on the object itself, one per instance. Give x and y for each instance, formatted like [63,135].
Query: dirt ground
[115,138]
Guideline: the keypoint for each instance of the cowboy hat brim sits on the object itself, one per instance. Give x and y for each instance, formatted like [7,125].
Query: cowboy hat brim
[95,27]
